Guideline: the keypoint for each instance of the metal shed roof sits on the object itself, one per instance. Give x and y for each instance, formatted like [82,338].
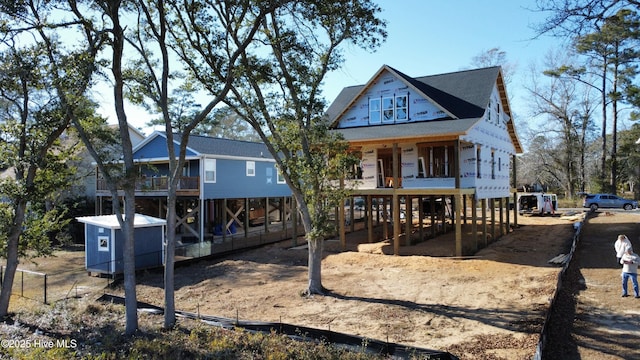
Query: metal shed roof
[111,221]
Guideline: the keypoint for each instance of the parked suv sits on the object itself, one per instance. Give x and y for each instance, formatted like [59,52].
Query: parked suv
[595,201]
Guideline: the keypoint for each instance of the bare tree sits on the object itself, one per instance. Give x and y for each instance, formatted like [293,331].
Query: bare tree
[566,107]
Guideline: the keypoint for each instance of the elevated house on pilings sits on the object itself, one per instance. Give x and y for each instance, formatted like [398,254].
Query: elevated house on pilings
[432,148]
[227,187]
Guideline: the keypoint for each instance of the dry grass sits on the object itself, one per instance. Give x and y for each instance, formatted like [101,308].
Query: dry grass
[84,329]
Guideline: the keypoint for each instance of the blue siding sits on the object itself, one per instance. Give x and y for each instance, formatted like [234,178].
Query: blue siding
[233,182]
[148,248]
[119,251]
[97,260]
[156,148]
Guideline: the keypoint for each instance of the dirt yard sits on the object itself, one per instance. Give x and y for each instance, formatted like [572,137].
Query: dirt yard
[491,305]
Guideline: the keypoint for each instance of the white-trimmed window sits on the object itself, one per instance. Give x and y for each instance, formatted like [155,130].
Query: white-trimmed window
[387,110]
[209,170]
[402,108]
[374,111]
[251,168]
[103,243]
[279,177]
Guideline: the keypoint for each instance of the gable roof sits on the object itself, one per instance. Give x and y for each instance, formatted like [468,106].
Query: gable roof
[207,145]
[461,95]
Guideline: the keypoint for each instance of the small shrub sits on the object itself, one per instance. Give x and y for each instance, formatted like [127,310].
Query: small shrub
[93,309]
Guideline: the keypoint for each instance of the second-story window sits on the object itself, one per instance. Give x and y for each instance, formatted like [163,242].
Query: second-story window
[402,108]
[251,168]
[387,110]
[209,170]
[374,111]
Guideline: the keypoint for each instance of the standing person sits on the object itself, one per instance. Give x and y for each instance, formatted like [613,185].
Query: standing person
[629,263]
[622,244]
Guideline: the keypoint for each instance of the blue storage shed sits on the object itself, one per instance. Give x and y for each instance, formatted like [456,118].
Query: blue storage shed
[104,243]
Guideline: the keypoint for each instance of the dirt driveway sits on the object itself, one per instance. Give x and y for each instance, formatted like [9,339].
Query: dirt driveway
[489,306]
[594,321]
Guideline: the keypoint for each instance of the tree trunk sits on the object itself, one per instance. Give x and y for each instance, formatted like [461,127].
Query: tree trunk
[316,246]
[614,132]
[603,160]
[129,257]
[12,260]
[169,259]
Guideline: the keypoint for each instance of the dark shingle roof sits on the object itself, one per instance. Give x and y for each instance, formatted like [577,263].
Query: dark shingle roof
[463,94]
[219,146]
[466,94]
[206,145]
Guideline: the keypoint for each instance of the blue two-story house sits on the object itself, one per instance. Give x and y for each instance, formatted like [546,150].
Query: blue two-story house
[226,186]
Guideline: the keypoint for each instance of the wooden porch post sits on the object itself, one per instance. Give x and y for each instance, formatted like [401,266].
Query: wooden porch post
[352,214]
[493,219]
[202,219]
[464,208]
[396,223]
[283,213]
[294,220]
[224,220]
[502,222]
[247,215]
[507,218]
[396,203]
[341,219]
[458,227]
[385,218]
[515,194]
[484,222]
[266,215]
[474,221]
[369,214]
[432,202]
[420,219]
[408,219]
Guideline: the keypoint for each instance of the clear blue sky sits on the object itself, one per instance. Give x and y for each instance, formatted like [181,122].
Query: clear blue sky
[428,37]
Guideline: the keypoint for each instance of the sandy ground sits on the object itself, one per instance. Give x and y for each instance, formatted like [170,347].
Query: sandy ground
[488,306]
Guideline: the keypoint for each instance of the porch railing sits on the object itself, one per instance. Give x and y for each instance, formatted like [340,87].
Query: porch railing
[160,183]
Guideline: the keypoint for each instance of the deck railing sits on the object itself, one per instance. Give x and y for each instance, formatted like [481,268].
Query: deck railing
[160,183]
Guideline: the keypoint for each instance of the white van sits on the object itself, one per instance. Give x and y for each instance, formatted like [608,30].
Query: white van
[537,203]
